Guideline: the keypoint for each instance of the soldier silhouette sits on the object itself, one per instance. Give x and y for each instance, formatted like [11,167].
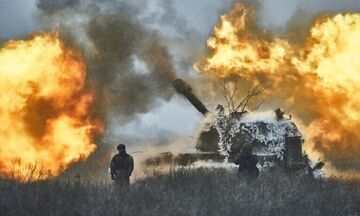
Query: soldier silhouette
[247,163]
[121,167]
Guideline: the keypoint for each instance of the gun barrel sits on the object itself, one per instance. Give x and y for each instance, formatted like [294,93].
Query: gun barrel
[183,88]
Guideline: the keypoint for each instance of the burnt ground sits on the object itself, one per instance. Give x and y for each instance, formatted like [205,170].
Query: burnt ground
[185,192]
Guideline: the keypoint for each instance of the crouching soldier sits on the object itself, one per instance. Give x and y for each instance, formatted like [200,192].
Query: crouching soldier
[247,163]
[121,167]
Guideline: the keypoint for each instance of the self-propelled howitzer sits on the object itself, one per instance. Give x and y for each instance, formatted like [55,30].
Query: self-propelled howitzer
[275,139]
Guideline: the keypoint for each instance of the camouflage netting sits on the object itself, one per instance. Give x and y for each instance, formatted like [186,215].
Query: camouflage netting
[227,134]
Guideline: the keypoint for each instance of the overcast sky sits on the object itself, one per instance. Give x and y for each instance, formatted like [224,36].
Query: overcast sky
[16,17]
[177,116]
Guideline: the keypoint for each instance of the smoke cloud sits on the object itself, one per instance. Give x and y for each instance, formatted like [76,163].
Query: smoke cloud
[128,64]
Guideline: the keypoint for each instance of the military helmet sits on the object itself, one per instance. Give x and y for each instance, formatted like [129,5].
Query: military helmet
[121,147]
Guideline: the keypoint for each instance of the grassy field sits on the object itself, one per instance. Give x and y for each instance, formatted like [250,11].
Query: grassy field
[184,192]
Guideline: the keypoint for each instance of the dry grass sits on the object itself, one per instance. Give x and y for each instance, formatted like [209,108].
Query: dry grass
[184,192]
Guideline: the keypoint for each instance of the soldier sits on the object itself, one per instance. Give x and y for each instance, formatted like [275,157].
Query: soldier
[247,163]
[121,167]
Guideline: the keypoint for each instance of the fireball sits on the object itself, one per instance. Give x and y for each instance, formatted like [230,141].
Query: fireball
[319,81]
[44,108]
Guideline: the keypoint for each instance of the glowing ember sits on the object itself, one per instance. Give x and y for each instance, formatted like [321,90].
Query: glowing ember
[319,81]
[43,108]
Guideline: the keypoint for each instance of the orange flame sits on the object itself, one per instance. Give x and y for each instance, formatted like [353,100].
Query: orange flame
[319,82]
[43,107]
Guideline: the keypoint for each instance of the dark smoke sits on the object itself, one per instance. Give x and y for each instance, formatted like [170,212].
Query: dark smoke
[113,40]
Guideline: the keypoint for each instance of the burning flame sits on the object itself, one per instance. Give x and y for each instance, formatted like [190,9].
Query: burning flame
[45,125]
[318,81]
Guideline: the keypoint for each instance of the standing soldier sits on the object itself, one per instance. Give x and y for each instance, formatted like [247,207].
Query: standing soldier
[121,167]
[247,163]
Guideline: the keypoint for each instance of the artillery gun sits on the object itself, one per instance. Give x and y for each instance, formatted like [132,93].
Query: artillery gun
[276,140]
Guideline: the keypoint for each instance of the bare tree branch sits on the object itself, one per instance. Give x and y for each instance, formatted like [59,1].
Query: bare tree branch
[234,102]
